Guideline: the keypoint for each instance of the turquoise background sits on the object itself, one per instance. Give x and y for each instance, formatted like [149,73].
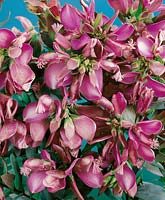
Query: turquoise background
[18,8]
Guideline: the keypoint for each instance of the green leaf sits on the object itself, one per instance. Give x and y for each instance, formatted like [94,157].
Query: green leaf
[8,180]
[139,11]
[98,19]
[45,195]
[17,180]
[31,152]
[149,191]
[154,168]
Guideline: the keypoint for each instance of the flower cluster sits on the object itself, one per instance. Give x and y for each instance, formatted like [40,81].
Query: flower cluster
[81,91]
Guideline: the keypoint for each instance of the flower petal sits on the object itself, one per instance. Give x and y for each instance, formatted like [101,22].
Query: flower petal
[146,153]
[26,55]
[35,182]
[158,88]
[30,114]
[127,180]
[124,32]
[8,130]
[54,74]
[119,102]
[145,46]
[85,127]
[80,42]
[6,37]
[157,68]
[69,18]
[150,127]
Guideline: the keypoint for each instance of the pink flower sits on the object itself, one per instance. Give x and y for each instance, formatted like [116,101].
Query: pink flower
[142,136]
[127,180]
[119,102]
[54,180]
[122,6]
[56,75]
[88,170]
[91,89]
[37,123]
[145,47]
[70,18]
[6,38]
[157,87]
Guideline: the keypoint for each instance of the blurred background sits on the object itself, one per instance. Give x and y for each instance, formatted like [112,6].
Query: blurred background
[18,8]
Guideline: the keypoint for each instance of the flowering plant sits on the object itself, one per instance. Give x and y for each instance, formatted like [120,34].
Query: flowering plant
[82,102]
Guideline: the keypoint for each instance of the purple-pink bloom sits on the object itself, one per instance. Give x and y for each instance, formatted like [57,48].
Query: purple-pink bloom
[6,38]
[70,18]
[145,47]
[88,170]
[127,180]
[157,87]
[56,74]
[119,102]
[142,136]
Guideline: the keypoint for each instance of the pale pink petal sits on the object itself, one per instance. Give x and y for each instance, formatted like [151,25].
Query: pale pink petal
[73,143]
[54,180]
[85,127]
[69,128]
[150,127]
[89,172]
[54,74]
[145,47]
[8,130]
[30,114]
[157,68]
[26,23]
[26,55]
[62,41]
[73,63]
[161,51]
[6,37]
[38,130]
[35,181]
[14,52]
[22,76]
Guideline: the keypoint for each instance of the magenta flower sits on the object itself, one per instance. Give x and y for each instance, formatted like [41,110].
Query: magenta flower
[88,170]
[119,102]
[145,47]
[142,136]
[37,123]
[56,75]
[54,180]
[122,6]
[6,38]
[157,87]
[91,89]
[36,170]
[70,18]
[127,180]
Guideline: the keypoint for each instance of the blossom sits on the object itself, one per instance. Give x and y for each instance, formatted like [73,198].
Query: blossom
[89,172]
[127,180]
[141,134]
